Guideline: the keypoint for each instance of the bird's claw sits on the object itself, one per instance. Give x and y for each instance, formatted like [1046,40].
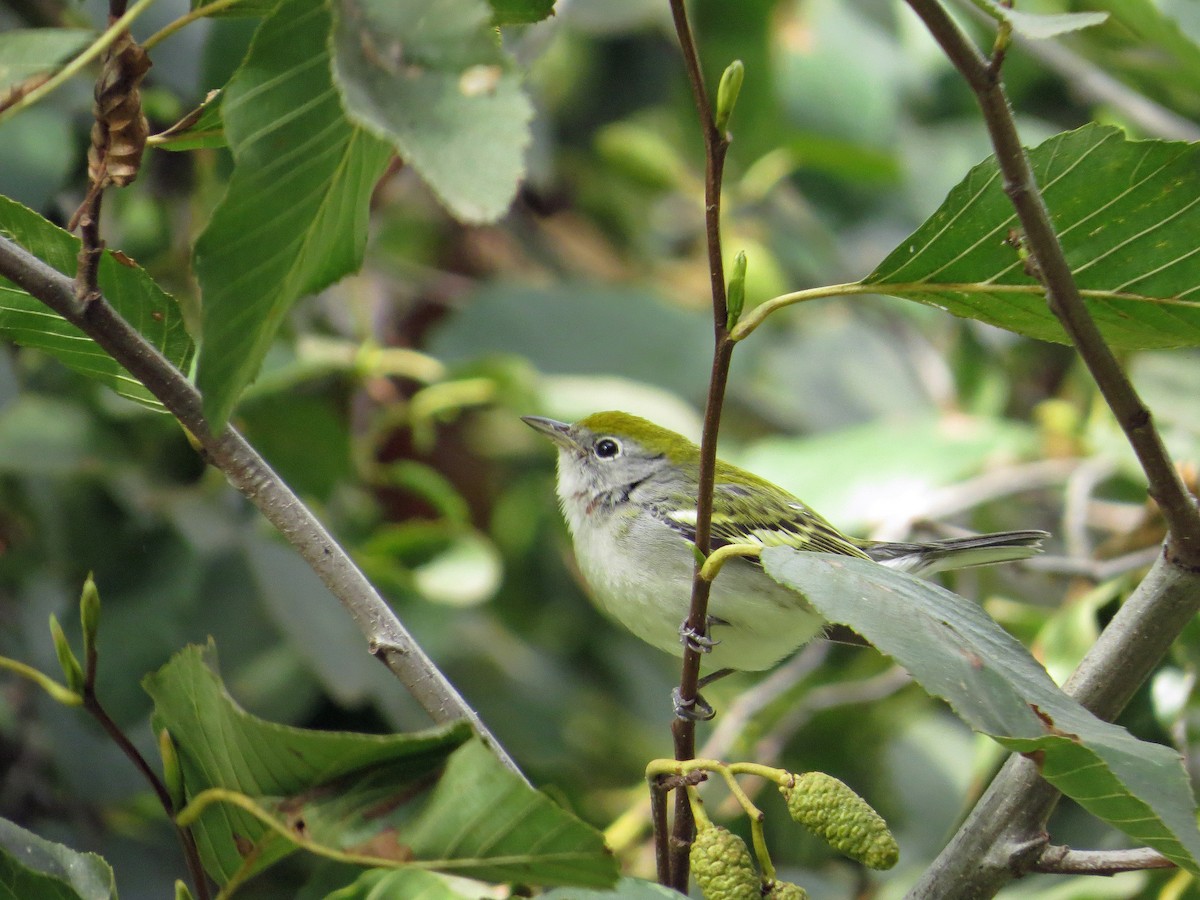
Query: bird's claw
[699,640]
[695,710]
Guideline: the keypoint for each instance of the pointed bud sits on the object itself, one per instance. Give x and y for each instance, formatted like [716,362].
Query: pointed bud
[89,615]
[832,811]
[66,656]
[722,865]
[735,294]
[172,773]
[727,93]
[182,892]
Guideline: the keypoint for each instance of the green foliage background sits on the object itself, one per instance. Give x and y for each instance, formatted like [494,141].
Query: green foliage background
[390,402]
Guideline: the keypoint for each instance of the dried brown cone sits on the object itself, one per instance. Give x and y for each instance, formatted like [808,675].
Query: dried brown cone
[120,131]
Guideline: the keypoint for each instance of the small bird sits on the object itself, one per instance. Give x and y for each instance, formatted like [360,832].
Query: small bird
[627,488]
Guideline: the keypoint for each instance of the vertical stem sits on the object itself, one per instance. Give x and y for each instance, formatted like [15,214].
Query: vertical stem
[715,146]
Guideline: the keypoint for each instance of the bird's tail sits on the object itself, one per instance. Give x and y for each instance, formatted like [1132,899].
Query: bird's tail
[956,553]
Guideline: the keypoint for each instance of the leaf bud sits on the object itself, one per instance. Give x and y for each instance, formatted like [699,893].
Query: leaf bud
[844,820]
[172,773]
[89,613]
[727,93]
[735,294]
[722,865]
[66,656]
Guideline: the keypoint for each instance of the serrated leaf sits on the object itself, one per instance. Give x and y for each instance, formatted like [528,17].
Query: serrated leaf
[956,652]
[31,866]
[431,77]
[1127,213]
[520,12]
[433,799]
[294,217]
[1042,25]
[25,52]
[132,293]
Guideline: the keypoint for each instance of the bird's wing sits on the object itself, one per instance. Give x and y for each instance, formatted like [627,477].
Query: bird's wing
[763,515]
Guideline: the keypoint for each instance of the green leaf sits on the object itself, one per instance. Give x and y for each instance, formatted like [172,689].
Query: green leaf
[241,9]
[1152,25]
[25,52]
[956,652]
[412,884]
[31,866]
[431,77]
[625,889]
[520,12]
[132,293]
[432,799]
[1127,213]
[200,129]
[294,217]
[1040,26]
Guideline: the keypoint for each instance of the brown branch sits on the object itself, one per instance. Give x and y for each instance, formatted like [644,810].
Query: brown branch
[715,146]
[228,451]
[1004,834]
[1062,294]
[1057,860]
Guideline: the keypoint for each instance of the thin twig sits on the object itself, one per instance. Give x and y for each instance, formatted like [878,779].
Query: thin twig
[715,146]
[1059,860]
[228,451]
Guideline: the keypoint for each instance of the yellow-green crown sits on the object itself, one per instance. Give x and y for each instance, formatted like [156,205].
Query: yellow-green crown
[653,438]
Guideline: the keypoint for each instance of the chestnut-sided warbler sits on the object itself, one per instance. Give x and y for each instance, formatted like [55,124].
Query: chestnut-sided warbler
[628,492]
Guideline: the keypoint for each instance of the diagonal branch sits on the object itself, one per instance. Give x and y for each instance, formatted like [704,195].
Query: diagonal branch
[1062,294]
[228,451]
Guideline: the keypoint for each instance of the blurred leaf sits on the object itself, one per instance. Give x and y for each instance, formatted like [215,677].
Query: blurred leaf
[1038,25]
[132,293]
[1154,26]
[625,889]
[31,866]
[874,472]
[430,76]
[1126,213]
[519,12]
[956,652]
[39,155]
[434,798]
[239,9]
[583,329]
[294,217]
[45,436]
[25,52]
[202,128]
[411,884]
[466,573]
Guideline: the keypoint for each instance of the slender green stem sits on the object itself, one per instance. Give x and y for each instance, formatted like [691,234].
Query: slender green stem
[199,12]
[756,316]
[717,559]
[71,69]
[59,692]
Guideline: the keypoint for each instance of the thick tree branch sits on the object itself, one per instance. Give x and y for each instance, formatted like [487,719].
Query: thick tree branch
[387,638]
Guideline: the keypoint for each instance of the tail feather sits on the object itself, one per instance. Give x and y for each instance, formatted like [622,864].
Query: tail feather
[956,553]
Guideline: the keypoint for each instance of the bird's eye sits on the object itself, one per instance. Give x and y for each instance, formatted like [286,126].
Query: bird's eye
[606,448]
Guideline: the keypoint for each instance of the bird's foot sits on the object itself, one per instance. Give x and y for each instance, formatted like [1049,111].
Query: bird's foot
[695,710]
[699,640]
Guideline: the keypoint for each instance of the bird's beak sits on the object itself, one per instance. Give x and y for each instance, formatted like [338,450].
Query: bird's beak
[559,432]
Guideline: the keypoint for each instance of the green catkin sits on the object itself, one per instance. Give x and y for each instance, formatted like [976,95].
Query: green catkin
[829,809]
[722,866]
